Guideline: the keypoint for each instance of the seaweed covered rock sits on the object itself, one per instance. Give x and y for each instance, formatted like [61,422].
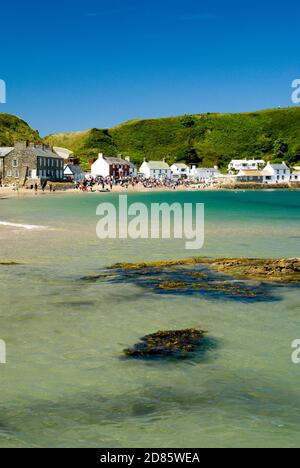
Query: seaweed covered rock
[281,270]
[177,343]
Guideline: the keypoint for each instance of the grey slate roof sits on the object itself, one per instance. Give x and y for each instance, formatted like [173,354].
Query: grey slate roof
[158,165]
[119,161]
[5,151]
[279,167]
[45,153]
[76,170]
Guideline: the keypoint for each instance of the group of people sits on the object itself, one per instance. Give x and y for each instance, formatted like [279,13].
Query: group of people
[106,184]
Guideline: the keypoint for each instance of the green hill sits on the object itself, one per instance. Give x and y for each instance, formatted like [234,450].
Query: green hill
[12,128]
[208,139]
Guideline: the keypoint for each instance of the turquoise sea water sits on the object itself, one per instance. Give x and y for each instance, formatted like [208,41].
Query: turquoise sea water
[64,383]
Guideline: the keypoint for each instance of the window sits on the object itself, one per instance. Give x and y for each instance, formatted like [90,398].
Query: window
[9,173]
[15,163]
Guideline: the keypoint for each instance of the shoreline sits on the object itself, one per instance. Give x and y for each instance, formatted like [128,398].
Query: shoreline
[10,193]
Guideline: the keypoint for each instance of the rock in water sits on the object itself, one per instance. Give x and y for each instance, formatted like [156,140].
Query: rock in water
[168,343]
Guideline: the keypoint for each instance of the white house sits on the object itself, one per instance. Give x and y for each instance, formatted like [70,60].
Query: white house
[245,164]
[276,173]
[156,170]
[73,172]
[112,167]
[180,171]
[204,174]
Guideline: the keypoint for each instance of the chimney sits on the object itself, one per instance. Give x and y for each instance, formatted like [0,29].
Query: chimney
[216,168]
[20,145]
[164,160]
[127,159]
[100,156]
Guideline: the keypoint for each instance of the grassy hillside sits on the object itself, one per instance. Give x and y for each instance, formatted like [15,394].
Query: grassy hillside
[12,128]
[208,139]
[204,139]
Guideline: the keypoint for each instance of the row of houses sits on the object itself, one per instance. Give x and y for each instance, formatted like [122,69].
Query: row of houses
[157,170]
[260,172]
[27,161]
[256,171]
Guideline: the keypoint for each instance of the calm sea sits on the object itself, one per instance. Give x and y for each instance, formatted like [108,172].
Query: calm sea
[65,384]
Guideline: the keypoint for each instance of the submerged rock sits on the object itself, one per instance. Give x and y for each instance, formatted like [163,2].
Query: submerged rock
[270,270]
[9,263]
[159,265]
[168,343]
[173,285]
[281,270]
[245,280]
[96,278]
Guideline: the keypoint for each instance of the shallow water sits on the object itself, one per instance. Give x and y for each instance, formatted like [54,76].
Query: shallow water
[64,383]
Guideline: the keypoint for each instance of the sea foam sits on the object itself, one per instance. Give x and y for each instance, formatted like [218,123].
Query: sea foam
[28,227]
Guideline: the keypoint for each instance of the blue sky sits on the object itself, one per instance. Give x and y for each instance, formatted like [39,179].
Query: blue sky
[74,65]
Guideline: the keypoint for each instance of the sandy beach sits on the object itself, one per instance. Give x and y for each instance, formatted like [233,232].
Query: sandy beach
[9,192]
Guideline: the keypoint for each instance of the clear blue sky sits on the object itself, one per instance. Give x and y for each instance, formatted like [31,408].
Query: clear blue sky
[75,65]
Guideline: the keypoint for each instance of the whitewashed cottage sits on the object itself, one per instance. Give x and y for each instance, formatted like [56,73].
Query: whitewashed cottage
[180,170]
[158,170]
[204,174]
[112,167]
[245,164]
[276,173]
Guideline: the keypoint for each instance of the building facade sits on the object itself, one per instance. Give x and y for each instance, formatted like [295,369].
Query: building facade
[245,164]
[30,161]
[204,174]
[276,173]
[116,168]
[250,176]
[73,172]
[158,170]
[180,171]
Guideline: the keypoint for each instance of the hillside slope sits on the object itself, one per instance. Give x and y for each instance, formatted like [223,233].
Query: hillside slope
[205,139]
[208,139]
[12,129]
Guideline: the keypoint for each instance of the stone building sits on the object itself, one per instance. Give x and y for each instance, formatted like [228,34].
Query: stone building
[30,161]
